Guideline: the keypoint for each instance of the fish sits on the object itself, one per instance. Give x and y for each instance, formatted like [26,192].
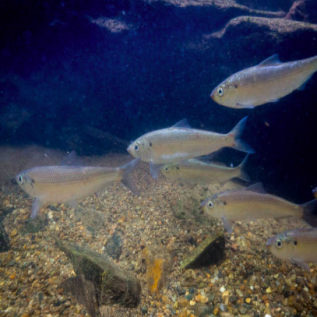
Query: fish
[252,203]
[298,246]
[70,183]
[199,171]
[180,143]
[267,82]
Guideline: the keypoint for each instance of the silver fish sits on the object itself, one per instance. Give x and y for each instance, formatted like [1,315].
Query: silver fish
[201,172]
[298,246]
[68,184]
[267,82]
[253,203]
[181,143]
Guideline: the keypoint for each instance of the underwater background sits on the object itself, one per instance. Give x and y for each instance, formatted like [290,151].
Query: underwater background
[92,76]
[130,67]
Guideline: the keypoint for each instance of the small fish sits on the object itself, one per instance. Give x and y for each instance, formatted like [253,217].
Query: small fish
[253,203]
[298,246]
[181,143]
[266,82]
[200,172]
[68,184]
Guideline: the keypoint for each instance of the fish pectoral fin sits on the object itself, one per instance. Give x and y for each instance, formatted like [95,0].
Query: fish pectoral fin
[36,207]
[155,169]
[272,60]
[182,124]
[227,224]
[73,204]
[302,87]
[301,263]
[239,105]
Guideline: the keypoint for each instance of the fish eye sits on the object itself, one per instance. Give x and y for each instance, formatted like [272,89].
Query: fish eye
[20,178]
[166,168]
[136,147]
[220,91]
[210,204]
[279,244]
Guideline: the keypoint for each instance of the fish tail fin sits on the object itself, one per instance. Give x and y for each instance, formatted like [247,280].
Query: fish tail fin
[309,212]
[242,174]
[127,181]
[236,133]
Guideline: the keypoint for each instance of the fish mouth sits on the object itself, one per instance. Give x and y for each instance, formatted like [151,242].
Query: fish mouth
[212,95]
[129,149]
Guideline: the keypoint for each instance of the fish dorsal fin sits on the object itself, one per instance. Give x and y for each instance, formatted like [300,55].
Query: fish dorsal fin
[257,187]
[70,160]
[272,60]
[182,124]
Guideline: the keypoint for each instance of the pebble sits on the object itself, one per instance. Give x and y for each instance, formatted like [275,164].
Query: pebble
[222,289]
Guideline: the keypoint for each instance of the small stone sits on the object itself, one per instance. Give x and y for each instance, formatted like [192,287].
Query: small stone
[268,290]
[13,233]
[239,292]
[165,299]
[248,300]
[12,276]
[183,313]
[242,310]
[222,289]
[204,299]
[198,298]
[189,296]
[182,302]
[192,303]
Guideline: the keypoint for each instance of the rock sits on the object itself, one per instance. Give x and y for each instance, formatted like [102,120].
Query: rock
[277,30]
[113,247]
[182,302]
[202,310]
[303,10]
[112,283]
[92,219]
[158,265]
[242,310]
[209,252]
[84,291]
[4,240]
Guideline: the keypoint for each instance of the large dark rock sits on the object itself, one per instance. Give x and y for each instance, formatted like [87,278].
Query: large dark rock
[85,293]
[113,284]
[113,247]
[208,252]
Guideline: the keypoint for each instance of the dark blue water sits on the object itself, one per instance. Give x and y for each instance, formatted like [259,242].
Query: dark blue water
[144,66]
